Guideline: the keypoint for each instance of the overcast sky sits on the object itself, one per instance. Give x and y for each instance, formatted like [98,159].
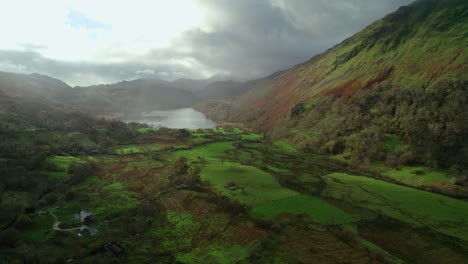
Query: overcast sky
[89,42]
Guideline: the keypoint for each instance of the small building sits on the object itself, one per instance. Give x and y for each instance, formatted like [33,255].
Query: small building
[86,230]
[115,248]
[86,217]
[232,186]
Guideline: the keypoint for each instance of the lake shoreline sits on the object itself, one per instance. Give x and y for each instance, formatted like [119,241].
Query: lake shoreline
[173,118]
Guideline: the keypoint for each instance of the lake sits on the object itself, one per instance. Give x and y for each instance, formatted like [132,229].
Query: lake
[177,118]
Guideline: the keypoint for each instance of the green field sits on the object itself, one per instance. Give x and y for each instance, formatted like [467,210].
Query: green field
[62,163]
[258,186]
[419,208]
[213,151]
[266,196]
[313,207]
[417,175]
[137,201]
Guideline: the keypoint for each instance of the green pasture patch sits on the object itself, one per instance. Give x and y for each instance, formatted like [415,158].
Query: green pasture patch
[277,170]
[178,232]
[62,163]
[144,130]
[81,138]
[178,236]
[135,149]
[237,130]
[251,136]
[284,147]
[250,155]
[40,228]
[115,202]
[111,201]
[315,208]
[67,211]
[257,186]
[210,151]
[419,208]
[340,158]
[198,139]
[61,176]
[219,130]
[128,149]
[416,175]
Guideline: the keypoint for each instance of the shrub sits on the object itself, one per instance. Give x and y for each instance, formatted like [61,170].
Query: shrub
[9,238]
[180,167]
[80,171]
[23,221]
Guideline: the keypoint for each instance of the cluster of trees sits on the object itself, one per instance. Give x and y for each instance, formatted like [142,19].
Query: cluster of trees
[24,152]
[396,125]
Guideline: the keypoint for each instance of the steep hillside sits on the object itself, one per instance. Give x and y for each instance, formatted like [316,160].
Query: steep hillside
[35,86]
[224,90]
[420,49]
[230,89]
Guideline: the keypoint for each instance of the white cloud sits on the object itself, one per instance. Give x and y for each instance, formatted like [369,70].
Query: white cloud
[88,41]
[133,27]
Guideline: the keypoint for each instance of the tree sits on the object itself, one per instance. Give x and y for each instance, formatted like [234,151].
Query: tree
[80,171]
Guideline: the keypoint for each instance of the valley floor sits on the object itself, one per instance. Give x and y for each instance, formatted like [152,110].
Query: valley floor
[229,196]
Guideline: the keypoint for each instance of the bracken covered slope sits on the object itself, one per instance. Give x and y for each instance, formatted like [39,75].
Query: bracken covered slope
[417,46]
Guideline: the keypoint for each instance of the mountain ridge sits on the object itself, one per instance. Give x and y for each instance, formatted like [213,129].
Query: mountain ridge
[320,77]
[418,47]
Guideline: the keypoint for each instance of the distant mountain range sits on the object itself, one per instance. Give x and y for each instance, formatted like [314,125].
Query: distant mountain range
[126,97]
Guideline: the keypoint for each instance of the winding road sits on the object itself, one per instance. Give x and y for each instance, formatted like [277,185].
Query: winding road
[55,225]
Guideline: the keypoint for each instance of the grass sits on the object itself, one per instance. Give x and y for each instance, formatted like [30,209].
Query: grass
[128,149]
[284,147]
[144,130]
[419,208]
[198,139]
[115,202]
[40,228]
[315,208]
[181,235]
[176,234]
[62,163]
[61,176]
[408,175]
[251,136]
[103,200]
[266,196]
[135,149]
[259,187]
[210,151]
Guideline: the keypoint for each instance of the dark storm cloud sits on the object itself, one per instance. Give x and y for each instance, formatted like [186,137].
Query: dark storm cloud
[255,38]
[244,39]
